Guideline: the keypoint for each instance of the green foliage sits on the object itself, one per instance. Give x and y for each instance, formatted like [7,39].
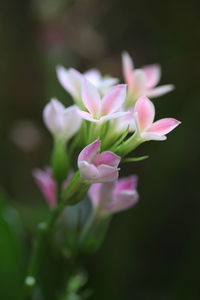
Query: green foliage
[11,252]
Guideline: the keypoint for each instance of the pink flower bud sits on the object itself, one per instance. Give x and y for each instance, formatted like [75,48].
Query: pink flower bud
[109,198]
[62,122]
[46,184]
[98,167]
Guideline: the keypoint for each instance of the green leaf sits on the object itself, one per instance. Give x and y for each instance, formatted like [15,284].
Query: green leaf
[135,159]
[11,252]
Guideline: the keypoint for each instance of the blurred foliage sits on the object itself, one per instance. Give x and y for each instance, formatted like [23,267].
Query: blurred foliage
[11,251]
[153,250]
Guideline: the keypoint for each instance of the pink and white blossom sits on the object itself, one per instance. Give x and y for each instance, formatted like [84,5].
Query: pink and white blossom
[107,108]
[143,82]
[144,111]
[98,167]
[112,197]
[62,122]
[71,80]
[102,83]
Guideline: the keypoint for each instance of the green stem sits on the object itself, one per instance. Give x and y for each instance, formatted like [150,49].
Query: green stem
[76,189]
[96,226]
[44,232]
[129,145]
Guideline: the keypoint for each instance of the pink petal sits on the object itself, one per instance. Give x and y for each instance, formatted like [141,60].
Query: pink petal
[85,115]
[122,201]
[107,173]
[145,112]
[93,76]
[164,126]
[128,183]
[52,116]
[70,80]
[153,74]
[150,136]
[76,80]
[127,66]
[113,100]
[88,171]
[47,185]
[114,115]
[126,121]
[159,91]
[140,85]
[94,194]
[91,98]
[107,158]
[89,152]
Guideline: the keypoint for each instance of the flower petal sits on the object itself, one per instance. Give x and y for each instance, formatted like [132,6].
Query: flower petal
[46,184]
[159,91]
[85,115]
[113,99]
[122,201]
[128,183]
[127,121]
[114,115]
[89,152]
[107,158]
[150,136]
[153,74]
[107,82]
[52,115]
[88,171]
[94,194]
[70,80]
[93,76]
[140,85]
[145,112]
[107,173]
[164,126]
[128,67]
[72,121]
[91,98]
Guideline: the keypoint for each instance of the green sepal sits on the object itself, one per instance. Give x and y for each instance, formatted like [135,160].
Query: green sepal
[135,159]
[59,162]
[76,190]
[119,140]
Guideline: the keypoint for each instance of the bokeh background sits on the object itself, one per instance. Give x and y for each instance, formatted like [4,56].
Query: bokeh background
[153,250]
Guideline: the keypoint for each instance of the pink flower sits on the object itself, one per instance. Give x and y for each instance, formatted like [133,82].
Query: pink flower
[98,167]
[144,111]
[71,80]
[109,198]
[102,83]
[46,184]
[126,121]
[142,82]
[62,122]
[103,109]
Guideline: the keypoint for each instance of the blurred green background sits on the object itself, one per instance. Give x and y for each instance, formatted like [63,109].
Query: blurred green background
[153,250]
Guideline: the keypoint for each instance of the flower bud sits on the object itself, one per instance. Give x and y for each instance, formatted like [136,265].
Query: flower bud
[98,167]
[112,197]
[62,122]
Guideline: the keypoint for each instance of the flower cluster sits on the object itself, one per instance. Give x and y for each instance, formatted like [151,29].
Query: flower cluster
[107,116]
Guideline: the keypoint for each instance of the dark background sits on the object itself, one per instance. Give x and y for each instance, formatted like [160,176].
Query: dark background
[153,250]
